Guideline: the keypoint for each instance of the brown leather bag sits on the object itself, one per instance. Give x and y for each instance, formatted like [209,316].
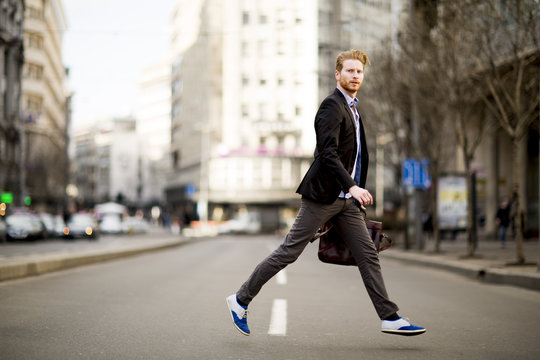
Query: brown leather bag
[333,250]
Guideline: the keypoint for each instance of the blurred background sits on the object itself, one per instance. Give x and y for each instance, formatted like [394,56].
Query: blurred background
[197,115]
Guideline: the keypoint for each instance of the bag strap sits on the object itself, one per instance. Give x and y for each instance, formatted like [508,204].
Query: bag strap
[323,230]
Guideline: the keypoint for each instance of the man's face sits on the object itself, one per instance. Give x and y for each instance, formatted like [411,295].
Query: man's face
[351,76]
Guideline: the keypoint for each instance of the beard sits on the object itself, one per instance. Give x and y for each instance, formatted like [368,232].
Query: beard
[347,85]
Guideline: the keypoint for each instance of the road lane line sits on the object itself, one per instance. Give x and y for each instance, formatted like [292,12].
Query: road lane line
[278,321]
[281,277]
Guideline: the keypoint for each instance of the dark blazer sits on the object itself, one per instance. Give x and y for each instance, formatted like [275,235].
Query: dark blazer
[335,153]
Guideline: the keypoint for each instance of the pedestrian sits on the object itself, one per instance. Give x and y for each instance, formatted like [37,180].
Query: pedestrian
[333,188]
[502,219]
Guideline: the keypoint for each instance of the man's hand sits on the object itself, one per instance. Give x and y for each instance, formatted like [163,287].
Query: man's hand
[362,195]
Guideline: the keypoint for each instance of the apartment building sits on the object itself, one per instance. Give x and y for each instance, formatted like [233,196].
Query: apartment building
[245,88]
[153,115]
[45,103]
[243,95]
[11,131]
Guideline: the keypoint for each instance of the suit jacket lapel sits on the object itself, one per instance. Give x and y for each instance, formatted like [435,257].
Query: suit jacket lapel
[348,111]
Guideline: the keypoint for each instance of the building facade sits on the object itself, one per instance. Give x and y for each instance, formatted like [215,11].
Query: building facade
[106,164]
[154,130]
[245,88]
[348,24]
[45,104]
[11,126]
[244,95]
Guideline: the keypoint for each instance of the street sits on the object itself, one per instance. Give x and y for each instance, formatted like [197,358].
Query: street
[171,305]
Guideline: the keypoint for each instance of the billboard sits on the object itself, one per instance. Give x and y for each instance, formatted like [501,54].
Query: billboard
[452,202]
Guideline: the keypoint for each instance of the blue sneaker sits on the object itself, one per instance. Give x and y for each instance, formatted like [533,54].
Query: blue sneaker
[401,326]
[238,314]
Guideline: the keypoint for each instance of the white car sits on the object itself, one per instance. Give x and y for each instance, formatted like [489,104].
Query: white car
[111,224]
[243,223]
[134,225]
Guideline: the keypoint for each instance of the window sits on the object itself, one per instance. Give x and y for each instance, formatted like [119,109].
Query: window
[263,19]
[33,71]
[176,158]
[176,109]
[245,18]
[177,63]
[34,13]
[263,111]
[34,41]
[177,87]
[33,104]
[245,49]
[245,80]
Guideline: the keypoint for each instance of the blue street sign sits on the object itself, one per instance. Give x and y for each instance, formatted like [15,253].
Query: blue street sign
[415,173]
[190,190]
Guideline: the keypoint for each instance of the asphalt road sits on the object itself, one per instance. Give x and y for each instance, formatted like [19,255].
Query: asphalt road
[171,305]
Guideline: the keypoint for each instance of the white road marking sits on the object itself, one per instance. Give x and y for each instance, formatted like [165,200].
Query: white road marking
[278,321]
[281,277]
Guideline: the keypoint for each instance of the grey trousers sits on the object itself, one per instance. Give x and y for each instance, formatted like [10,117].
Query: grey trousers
[349,221]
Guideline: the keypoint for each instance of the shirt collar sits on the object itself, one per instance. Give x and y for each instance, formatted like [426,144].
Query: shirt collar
[350,101]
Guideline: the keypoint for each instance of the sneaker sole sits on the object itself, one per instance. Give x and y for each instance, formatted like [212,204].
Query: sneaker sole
[404,332]
[232,318]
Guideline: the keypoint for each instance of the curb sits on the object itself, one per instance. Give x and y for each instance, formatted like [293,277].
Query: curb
[477,272]
[500,276]
[42,264]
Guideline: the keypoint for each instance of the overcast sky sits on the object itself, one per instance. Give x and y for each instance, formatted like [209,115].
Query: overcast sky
[106,46]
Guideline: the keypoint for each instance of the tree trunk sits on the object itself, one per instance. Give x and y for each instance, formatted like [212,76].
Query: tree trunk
[520,252]
[470,211]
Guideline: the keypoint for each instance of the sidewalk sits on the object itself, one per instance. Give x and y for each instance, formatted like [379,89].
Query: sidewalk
[17,267]
[491,263]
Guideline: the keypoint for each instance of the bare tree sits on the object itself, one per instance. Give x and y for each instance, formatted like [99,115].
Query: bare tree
[408,101]
[387,99]
[464,106]
[506,66]
[422,73]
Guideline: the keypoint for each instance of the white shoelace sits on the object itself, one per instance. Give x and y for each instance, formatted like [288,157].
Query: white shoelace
[244,314]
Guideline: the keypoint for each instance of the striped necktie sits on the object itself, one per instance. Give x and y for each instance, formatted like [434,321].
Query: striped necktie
[358,158]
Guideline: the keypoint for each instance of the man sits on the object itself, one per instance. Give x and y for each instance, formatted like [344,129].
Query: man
[333,188]
[502,219]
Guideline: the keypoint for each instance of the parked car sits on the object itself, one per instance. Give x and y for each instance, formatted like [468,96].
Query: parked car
[59,226]
[111,224]
[134,225]
[48,223]
[23,226]
[81,225]
[243,223]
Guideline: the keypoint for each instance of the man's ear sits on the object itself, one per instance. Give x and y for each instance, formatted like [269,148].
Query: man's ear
[336,74]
